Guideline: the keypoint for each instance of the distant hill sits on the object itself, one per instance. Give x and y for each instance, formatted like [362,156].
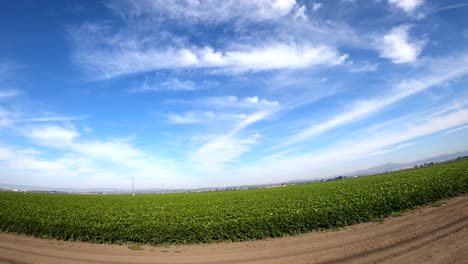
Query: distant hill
[401,166]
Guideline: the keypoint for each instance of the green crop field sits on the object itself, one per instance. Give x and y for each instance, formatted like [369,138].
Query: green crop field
[229,215]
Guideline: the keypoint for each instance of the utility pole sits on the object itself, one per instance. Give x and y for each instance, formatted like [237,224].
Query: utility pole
[162,188]
[133,185]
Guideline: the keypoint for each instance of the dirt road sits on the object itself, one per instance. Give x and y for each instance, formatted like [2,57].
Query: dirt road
[434,234]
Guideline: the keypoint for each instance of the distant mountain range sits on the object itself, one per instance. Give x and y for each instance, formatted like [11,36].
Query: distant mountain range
[374,170]
[400,166]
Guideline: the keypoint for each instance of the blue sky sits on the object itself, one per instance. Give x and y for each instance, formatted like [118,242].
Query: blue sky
[215,93]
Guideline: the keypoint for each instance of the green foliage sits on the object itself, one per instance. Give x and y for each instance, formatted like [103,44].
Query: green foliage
[230,215]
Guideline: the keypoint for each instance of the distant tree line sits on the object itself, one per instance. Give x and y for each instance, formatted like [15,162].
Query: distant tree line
[432,163]
[424,165]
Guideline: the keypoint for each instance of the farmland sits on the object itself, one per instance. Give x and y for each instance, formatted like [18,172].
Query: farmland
[230,215]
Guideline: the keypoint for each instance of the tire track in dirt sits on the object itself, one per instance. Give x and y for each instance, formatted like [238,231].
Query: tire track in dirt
[425,235]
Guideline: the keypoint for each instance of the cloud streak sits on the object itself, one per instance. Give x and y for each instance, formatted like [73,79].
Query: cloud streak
[456,129]
[207,11]
[170,85]
[362,109]
[116,61]
[226,148]
[9,93]
[313,165]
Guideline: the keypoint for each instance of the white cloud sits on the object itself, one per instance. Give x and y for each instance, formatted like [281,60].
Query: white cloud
[9,93]
[210,11]
[88,162]
[278,56]
[230,101]
[120,61]
[406,5]
[6,153]
[69,139]
[301,13]
[364,67]
[172,84]
[10,119]
[6,118]
[386,150]
[50,135]
[228,107]
[316,6]
[48,119]
[456,129]
[145,42]
[113,150]
[183,119]
[197,117]
[212,155]
[222,150]
[86,170]
[252,100]
[253,118]
[281,154]
[398,47]
[187,118]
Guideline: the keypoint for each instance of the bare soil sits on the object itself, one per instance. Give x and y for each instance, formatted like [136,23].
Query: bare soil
[432,234]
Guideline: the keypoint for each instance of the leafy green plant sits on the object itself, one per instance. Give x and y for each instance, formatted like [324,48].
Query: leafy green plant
[230,215]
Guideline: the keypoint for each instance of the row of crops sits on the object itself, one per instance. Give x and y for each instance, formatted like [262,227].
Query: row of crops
[230,215]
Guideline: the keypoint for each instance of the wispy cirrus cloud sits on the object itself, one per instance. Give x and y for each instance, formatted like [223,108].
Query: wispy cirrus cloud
[304,165]
[8,69]
[214,109]
[172,84]
[189,117]
[207,11]
[11,117]
[263,90]
[9,93]
[6,118]
[364,67]
[456,129]
[48,119]
[157,85]
[143,44]
[221,150]
[362,109]
[231,101]
[198,117]
[226,148]
[388,150]
[214,152]
[116,61]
